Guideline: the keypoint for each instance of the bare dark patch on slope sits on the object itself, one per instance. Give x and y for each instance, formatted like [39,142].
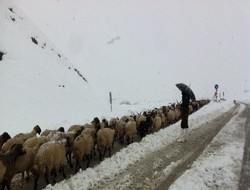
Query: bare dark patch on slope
[1,55]
[34,40]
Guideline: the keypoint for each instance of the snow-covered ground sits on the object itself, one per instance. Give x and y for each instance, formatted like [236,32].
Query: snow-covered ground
[136,50]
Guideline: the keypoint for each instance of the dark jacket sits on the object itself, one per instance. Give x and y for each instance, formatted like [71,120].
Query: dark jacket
[184,110]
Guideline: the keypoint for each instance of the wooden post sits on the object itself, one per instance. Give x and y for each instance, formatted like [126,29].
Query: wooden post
[110,100]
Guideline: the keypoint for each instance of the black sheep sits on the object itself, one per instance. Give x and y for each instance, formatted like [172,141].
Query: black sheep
[144,126]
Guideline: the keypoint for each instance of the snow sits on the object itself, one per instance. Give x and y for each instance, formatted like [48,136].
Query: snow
[138,51]
[217,169]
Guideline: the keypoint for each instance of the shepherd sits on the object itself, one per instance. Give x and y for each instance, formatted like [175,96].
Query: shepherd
[184,116]
[187,95]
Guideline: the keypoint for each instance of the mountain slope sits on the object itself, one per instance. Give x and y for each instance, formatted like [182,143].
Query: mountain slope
[35,76]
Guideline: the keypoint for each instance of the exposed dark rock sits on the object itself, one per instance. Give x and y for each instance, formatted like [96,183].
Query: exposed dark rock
[34,40]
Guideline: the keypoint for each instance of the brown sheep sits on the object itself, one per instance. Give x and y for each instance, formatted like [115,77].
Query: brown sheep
[7,162]
[83,146]
[35,141]
[50,157]
[120,131]
[105,141]
[47,131]
[11,142]
[23,163]
[75,128]
[171,116]
[157,123]
[25,136]
[130,131]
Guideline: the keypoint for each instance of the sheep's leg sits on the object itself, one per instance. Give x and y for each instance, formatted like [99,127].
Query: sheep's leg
[63,172]
[100,155]
[53,172]
[105,150]
[46,176]
[69,160]
[88,161]
[109,151]
[36,182]
[77,166]
[4,183]
[28,176]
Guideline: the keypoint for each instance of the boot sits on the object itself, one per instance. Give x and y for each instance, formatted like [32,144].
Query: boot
[181,138]
[186,135]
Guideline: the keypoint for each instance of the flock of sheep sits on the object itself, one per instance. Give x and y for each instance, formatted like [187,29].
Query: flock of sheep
[44,154]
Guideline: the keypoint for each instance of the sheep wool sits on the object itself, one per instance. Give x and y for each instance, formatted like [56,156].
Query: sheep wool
[130,131]
[105,140]
[50,156]
[83,146]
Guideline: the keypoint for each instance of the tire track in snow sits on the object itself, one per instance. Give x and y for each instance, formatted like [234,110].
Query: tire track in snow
[245,171]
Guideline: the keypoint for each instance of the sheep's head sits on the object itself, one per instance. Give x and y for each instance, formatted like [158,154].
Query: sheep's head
[61,129]
[95,121]
[5,136]
[18,149]
[38,129]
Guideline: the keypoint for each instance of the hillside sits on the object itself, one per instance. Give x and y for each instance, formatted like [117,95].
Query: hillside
[39,85]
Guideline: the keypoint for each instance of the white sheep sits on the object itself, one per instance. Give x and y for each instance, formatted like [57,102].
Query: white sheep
[49,158]
[83,147]
[105,141]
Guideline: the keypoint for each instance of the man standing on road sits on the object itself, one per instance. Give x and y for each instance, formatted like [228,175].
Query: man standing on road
[184,117]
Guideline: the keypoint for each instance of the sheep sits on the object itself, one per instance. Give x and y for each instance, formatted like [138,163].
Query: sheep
[171,116]
[157,123]
[130,131]
[10,142]
[7,162]
[71,137]
[47,131]
[120,131]
[75,128]
[50,156]
[177,112]
[113,123]
[145,126]
[23,163]
[105,140]
[33,133]
[34,141]
[3,138]
[139,119]
[96,123]
[104,124]
[83,146]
